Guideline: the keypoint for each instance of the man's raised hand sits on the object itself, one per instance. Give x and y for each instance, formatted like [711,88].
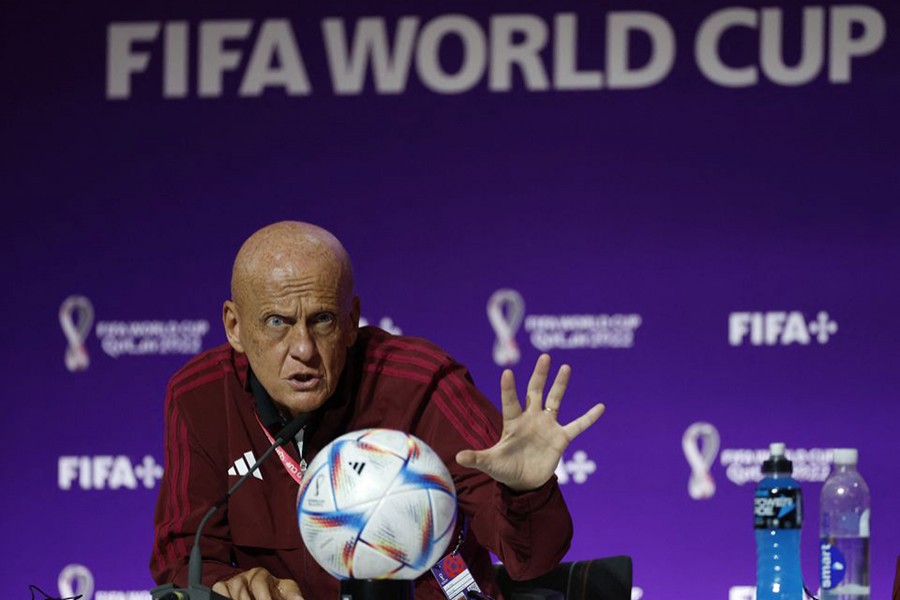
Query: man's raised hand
[532,441]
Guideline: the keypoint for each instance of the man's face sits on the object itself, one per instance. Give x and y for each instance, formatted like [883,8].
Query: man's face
[295,324]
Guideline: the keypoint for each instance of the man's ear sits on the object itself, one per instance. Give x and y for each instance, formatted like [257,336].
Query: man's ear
[232,324]
[354,322]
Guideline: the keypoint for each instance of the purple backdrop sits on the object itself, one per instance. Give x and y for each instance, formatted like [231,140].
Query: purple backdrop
[694,206]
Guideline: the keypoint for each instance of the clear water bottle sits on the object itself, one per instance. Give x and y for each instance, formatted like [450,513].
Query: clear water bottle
[844,529]
[778,516]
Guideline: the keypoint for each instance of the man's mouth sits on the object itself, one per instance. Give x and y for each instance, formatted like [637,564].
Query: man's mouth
[303,382]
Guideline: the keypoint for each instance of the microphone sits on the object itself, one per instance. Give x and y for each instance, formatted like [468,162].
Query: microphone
[196,590]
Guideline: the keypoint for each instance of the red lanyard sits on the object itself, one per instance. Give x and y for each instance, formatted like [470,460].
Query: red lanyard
[294,469]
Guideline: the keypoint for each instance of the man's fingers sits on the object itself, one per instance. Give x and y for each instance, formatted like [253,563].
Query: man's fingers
[508,397]
[535,393]
[287,589]
[258,584]
[470,459]
[234,588]
[237,590]
[243,594]
[577,426]
[558,389]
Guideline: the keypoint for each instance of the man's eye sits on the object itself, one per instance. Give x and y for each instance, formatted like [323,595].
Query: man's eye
[323,318]
[274,321]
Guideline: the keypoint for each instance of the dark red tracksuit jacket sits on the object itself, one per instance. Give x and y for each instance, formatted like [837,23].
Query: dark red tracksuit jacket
[394,382]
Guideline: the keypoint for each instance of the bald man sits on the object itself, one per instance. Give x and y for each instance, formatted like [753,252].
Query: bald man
[295,348]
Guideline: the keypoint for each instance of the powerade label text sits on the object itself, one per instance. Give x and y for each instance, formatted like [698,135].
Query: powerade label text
[833,565]
[778,508]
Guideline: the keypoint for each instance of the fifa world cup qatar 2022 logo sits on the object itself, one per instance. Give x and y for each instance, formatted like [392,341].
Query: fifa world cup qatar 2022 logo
[76,315]
[505,311]
[143,337]
[76,581]
[700,443]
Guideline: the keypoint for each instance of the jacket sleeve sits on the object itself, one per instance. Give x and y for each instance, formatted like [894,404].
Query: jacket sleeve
[192,483]
[533,530]
[529,531]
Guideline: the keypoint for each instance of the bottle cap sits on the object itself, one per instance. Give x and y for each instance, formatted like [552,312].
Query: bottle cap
[846,456]
[777,463]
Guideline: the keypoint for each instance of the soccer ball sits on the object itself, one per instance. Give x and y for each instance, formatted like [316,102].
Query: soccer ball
[377,504]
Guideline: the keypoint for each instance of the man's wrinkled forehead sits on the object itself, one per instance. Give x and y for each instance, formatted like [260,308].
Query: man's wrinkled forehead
[291,250]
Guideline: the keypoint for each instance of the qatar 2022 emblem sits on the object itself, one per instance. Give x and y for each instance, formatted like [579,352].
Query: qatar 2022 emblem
[700,443]
[76,581]
[505,311]
[76,315]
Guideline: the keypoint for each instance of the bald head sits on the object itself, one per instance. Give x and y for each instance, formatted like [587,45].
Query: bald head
[286,247]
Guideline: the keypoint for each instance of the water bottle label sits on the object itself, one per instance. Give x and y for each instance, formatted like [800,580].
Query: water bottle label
[778,508]
[833,564]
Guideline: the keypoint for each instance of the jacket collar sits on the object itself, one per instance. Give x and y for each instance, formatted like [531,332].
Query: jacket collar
[336,410]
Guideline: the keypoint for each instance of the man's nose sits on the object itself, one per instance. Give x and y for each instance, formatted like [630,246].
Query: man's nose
[301,345]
